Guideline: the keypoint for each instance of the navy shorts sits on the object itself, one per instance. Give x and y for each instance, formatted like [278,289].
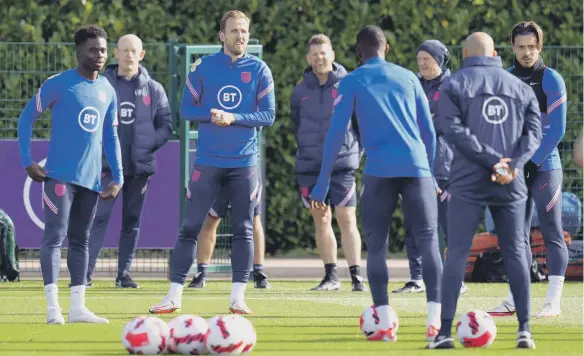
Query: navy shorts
[342,190]
[219,209]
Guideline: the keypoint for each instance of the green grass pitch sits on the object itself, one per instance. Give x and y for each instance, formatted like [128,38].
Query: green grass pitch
[289,319]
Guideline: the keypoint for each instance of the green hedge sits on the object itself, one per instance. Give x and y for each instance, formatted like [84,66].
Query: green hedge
[283,27]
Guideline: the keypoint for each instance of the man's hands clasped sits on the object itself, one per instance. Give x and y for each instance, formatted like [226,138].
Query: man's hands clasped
[222,118]
[502,173]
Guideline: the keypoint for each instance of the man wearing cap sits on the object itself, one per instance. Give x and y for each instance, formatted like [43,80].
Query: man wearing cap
[432,58]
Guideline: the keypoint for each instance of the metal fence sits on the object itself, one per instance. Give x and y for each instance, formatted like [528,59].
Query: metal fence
[24,66]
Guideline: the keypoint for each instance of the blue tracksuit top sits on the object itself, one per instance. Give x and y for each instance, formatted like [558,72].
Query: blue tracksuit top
[550,90]
[394,120]
[83,113]
[244,87]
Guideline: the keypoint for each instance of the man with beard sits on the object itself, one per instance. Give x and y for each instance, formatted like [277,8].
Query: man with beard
[543,173]
[230,94]
[84,112]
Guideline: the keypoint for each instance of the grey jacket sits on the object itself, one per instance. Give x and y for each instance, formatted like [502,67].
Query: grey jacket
[311,108]
[153,125]
[443,159]
[487,114]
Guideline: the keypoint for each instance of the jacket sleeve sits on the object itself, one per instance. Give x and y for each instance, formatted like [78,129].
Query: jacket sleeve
[557,107]
[531,133]
[191,102]
[162,119]
[111,142]
[425,123]
[44,99]
[343,108]
[451,123]
[266,104]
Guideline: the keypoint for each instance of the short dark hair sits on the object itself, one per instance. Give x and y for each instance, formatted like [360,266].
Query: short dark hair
[90,31]
[371,37]
[528,28]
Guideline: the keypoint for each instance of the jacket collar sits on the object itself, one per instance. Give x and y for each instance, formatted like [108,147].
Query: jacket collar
[438,79]
[482,61]
[227,59]
[334,77]
[526,72]
[111,72]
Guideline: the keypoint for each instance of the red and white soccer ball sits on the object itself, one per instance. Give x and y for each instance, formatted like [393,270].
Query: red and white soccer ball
[476,329]
[145,336]
[369,324]
[249,334]
[227,335]
[188,334]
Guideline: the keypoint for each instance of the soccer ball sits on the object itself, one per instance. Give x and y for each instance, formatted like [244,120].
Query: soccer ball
[188,334]
[476,329]
[249,334]
[145,335]
[226,335]
[369,324]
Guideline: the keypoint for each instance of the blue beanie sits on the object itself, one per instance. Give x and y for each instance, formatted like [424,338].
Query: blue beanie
[437,50]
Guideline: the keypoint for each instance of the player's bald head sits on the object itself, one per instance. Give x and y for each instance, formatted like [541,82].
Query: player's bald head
[130,40]
[479,44]
[371,42]
[129,53]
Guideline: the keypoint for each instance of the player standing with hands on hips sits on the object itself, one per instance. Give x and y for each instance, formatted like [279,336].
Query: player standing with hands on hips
[84,111]
[493,121]
[398,136]
[230,94]
[145,126]
[543,172]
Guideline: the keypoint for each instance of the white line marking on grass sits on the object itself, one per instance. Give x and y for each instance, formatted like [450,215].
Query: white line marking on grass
[275,297]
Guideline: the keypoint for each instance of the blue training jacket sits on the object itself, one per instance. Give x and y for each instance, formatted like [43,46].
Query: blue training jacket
[394,120]
[84,112]
[244,87]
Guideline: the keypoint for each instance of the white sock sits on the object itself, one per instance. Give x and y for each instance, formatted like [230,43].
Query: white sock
[52,295]
[383,314]
[555,289]
[510,298]
[434,314]
[238,292]
[176,290]
[78,297]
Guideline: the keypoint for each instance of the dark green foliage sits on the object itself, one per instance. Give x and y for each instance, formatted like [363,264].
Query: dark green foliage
[283,27]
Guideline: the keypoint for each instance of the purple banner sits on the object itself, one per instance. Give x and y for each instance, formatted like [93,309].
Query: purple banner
[21,198]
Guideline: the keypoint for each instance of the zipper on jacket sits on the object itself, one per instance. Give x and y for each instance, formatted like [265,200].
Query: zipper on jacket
[322,94]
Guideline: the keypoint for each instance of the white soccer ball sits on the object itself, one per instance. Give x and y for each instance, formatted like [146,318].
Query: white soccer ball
[226,335]
[188,334]
[249,334]
[145,336]
[369,324]
[476,329]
